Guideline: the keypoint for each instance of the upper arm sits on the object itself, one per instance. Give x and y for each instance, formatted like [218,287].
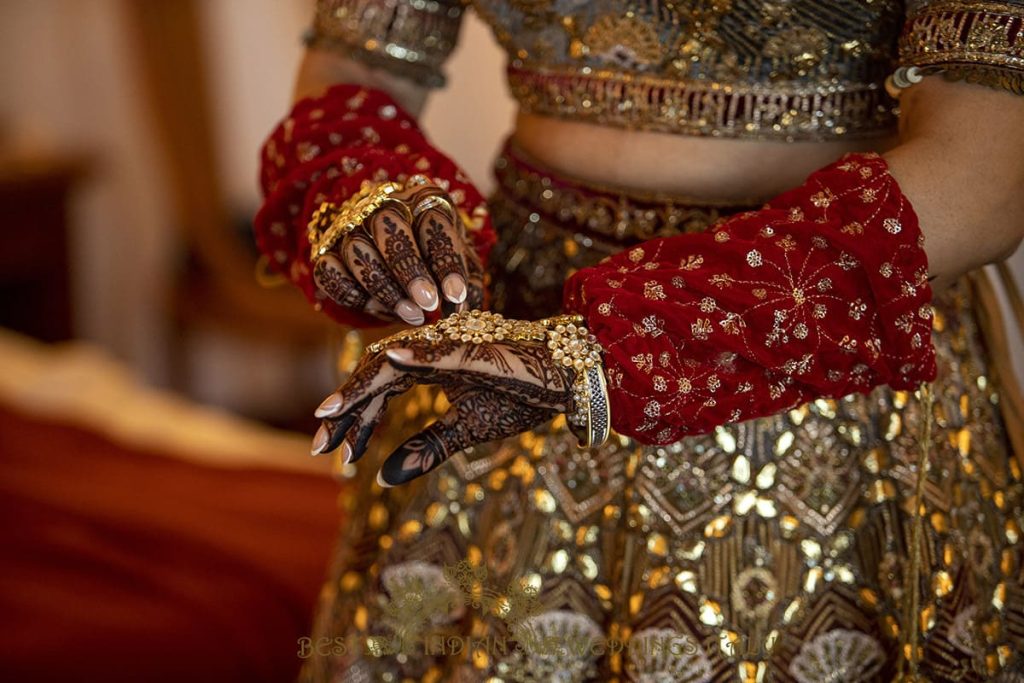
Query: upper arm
[977,47]
[961,154]
[396,45]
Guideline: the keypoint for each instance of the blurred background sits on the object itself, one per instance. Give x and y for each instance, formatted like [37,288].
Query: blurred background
[144,120]
[162,519]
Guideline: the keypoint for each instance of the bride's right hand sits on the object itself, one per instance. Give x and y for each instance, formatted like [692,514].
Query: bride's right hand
[396,269]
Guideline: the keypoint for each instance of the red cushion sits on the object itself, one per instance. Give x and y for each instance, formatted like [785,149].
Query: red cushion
[121,565]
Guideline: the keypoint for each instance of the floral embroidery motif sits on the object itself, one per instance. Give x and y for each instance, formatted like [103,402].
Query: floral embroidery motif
[842,656]
[805,304]
[625,41]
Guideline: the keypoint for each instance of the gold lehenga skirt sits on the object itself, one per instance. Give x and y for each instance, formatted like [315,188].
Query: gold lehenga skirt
[778,549]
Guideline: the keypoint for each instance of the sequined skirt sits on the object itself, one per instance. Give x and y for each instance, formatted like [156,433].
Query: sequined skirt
[778,549]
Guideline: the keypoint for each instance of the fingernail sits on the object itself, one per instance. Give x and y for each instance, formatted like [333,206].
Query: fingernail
[380,481]
[424,293]
[340,430]
[399,355]
[320,440]
[409,312]
[454,288]
[330,407]
[346,453]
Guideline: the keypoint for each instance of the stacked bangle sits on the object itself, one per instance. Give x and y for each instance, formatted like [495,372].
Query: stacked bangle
[572,345]
[901,79]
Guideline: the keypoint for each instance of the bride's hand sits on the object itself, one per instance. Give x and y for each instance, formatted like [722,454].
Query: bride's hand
[498,385]
[404,264]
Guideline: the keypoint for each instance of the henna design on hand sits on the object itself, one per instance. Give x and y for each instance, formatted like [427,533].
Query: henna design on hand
[441,240]
[370,270]
[496,362]
[437,240]
[336,430]
[475,281]
[432,352]
[395,242]
[372,375]
[495,389]
[476,416]
[369,415]
[333,280]
[536,361]
[360,403]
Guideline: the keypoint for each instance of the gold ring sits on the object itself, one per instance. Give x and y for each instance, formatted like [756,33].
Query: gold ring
[432,202]
[399,205]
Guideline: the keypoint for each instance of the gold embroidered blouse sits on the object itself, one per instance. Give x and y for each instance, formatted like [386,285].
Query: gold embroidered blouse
[781,69]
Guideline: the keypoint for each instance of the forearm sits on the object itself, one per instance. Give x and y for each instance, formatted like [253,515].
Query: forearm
[823,292]
[320,69]
[960,162]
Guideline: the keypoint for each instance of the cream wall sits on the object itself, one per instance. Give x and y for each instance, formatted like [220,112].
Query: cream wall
[66,86]
[254,48]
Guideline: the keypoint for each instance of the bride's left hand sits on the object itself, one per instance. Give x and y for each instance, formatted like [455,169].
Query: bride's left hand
[496,388]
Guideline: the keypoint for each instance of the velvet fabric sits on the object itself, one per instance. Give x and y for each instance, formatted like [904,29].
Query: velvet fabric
[323,151]
[123,564]
[822,293]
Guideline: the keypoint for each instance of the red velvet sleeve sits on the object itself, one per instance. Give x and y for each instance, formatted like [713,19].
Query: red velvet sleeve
[323,151]
[822,293]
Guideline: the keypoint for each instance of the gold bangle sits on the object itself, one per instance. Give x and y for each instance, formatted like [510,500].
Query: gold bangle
[572,345]
[266,277]
[569,342]
[330,223]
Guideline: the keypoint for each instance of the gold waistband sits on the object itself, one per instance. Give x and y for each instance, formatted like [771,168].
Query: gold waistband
[609,214]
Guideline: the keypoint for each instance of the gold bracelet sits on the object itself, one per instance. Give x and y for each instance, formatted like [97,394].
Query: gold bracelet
[425,198]
[569,342]
[331,222]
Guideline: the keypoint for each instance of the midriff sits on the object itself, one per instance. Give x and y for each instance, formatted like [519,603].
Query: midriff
[702,168]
